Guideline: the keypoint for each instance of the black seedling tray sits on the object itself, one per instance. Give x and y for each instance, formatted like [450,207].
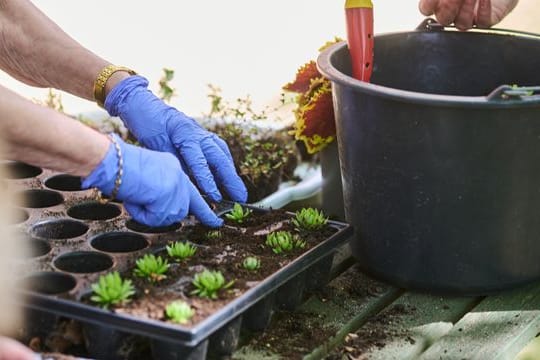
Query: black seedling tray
[75,240]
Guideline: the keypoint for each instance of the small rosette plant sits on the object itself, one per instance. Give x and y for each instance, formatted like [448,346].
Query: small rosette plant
[151,267]
[179,312]
[251,263]
[111,289]
[238,213]
[309,219]
[209,283]
[181,250]
[284,241]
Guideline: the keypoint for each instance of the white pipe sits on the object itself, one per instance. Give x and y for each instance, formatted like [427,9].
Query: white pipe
[308,187]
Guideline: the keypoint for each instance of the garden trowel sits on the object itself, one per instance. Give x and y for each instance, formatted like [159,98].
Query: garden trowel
[359,18]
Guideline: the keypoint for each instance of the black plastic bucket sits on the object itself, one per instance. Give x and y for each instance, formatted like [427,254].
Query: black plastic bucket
[440,162]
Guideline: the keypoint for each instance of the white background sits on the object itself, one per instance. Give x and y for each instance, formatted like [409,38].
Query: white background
[243,46]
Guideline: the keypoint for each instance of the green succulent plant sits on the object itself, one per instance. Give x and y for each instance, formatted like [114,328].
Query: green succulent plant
[238,214]
[179,312]
[309,219]
[208,283]
[111,289]
[213,234]
[282,241]
[151,267]
[181,250]
[251,263]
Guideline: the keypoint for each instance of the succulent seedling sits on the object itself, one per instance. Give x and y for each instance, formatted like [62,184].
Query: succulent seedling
[238,214]
[181,250]
[283,241]
[111,289]
[251,263]
[213,234]
[151,267]
[309,219]
[208,283]
[179,312]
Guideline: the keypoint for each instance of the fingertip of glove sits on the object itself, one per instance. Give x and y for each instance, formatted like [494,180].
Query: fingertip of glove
[214,223]
[240,196]
[215,197]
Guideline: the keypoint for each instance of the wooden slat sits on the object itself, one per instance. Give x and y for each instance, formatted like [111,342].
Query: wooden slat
[345,303]
[498,328]
[369,310]
[406,327]
[531,351]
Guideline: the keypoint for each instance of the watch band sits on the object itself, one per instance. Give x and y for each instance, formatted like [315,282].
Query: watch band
[103,77]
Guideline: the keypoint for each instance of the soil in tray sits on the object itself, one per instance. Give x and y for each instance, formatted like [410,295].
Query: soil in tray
[226,254]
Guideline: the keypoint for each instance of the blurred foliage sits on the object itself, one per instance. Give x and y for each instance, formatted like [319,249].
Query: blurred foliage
[242,107]
[166,91]
[52,100]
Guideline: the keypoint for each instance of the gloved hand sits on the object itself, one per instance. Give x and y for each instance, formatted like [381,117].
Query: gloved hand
[161,127]
[466,13]
[154,189]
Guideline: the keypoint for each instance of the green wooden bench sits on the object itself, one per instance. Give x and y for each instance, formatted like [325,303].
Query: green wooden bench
[355,317]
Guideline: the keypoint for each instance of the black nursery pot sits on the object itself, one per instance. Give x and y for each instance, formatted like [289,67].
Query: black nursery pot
[104,342]
[440,157]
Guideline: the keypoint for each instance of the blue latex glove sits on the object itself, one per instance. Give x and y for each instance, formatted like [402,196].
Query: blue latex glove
[155,190]
[161,127]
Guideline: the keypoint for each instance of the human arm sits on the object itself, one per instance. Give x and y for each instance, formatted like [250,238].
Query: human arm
[46,138]
[154,188]
[466,13]
[35,50]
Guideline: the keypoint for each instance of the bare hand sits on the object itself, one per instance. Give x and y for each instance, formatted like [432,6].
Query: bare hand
[466,13]
[13,350]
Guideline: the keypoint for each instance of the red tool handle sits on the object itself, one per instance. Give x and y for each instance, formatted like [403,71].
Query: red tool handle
[359,16]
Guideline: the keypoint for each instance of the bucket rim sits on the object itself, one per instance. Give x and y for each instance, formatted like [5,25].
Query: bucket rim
[328,70]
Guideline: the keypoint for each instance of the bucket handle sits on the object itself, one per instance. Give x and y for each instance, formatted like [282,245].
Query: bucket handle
[514,93]
[504,93]
[430,24]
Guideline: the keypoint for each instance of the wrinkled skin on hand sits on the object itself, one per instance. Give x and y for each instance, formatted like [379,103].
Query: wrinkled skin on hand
[466,13]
